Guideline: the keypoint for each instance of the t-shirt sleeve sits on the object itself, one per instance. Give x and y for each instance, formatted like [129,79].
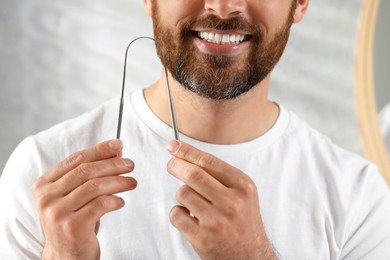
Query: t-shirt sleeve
[368,233]
[21,236]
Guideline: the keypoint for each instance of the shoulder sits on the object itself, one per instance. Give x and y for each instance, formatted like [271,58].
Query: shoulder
[81,132]
[338,172]
[52,145]
[349,187]
[319,146]
[92,123]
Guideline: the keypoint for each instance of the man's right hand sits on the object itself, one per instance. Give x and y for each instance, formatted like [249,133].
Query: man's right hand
[73,196]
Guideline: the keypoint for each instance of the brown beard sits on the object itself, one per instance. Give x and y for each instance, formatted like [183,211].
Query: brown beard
[219,77]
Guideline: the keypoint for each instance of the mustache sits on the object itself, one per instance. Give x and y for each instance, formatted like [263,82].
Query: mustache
[236,23]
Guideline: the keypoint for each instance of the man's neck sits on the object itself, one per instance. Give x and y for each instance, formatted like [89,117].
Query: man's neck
[220,122]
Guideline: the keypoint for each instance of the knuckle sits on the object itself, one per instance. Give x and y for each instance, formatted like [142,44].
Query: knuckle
[206,160]
[247,186]
[183,193]
[92,185]
[251,187]
[96,149]
[106,203]
[98,206]
[205,241]
[194,175]
[232,209]
[215,225]
[42,201]
[70,226]
[101,203]
[74,159]
[52,215]
[42,196]
[117,163]
[83,171]
[101,150]
[37,186]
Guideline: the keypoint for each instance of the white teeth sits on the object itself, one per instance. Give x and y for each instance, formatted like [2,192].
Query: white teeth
[218,38]
[225,38]
[221,38]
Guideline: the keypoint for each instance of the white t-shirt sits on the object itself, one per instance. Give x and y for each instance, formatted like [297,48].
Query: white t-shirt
[317,201]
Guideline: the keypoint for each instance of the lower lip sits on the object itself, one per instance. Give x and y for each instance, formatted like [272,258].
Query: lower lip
[220,49]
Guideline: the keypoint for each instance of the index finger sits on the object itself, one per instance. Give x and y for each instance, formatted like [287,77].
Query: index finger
[225,173]
[101,151]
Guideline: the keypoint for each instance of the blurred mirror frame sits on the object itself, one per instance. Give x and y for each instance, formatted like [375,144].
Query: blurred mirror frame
[373,141]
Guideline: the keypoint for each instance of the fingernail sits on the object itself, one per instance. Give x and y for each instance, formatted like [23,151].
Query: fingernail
[128,163]
[115,144]
[132,181]
[173,146]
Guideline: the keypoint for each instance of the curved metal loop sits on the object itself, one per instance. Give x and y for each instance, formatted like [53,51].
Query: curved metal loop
[170,101]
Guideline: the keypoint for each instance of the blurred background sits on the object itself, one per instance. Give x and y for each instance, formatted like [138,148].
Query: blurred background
[382,55]
[382,69]
[61,58]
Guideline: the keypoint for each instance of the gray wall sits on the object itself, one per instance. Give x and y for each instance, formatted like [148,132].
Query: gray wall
[61,58]
[382,55]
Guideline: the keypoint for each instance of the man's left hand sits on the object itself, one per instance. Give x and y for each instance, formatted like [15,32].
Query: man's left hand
[219,211]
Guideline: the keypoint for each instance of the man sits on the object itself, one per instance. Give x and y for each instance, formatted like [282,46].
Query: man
[249,180]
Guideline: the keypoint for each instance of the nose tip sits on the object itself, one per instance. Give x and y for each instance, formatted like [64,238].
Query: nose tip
[225,8]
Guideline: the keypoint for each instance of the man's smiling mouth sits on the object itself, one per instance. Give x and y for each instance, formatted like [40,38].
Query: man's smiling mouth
[221,39]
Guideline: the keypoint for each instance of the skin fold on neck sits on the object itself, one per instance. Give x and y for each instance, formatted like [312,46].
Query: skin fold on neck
[219,122]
